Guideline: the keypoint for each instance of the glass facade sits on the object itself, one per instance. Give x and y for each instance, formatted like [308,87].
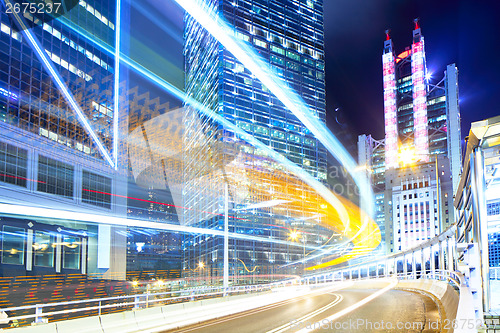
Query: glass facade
[96,189]
[57,91]
[288,35]
[13,164]
[13,245]
[55,177]
[33,102]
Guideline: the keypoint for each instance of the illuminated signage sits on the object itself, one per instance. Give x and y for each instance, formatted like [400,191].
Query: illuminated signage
[403,55]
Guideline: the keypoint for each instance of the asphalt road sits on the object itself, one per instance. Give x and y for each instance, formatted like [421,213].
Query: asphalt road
[393,311]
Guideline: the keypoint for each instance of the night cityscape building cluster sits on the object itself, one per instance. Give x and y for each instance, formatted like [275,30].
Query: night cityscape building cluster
[416,168]
[114,180]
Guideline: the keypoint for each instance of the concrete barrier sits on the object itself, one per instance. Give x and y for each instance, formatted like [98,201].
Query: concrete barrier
[42,328]
[82,325]
[119,322]
[445,296]
[170,310]
[145,317]
[466,311]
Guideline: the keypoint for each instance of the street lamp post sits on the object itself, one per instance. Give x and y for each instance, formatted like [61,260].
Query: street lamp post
[294,235]
[304,253]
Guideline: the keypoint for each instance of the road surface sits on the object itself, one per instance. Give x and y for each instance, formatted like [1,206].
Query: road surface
[392,311]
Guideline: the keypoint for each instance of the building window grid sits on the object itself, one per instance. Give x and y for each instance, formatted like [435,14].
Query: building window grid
[96,189]
[55,177]
[493,208]
[25,116]
[13,164]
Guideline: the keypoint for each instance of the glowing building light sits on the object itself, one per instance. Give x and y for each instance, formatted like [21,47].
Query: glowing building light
[391,129]
[407,156]
[294,235]
[403,55]
[419,95]
[8,94]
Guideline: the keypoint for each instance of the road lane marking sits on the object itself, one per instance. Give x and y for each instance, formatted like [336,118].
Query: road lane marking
[261,309]
[351,308]
[288,326]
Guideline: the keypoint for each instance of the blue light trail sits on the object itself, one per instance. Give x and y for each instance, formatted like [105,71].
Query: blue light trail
[36,46]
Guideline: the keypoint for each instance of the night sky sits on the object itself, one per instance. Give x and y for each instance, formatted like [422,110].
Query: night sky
[463,32]
[456,31]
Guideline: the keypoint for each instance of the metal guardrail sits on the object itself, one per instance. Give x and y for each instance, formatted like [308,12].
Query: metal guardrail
[133,301]
[146,300]
[452,277]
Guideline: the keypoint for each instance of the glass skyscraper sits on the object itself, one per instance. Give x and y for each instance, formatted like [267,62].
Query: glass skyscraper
[288,35]
[60,143]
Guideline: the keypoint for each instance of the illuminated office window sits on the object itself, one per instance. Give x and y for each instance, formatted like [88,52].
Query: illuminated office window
[13,164]
[71,252]
[43,248]
[12,245]
[55,177]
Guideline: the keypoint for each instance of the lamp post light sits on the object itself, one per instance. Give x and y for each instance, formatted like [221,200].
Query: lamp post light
[201,265]
[294,236]
[304,253]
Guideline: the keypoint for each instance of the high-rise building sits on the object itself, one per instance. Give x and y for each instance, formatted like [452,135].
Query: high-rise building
[477,203]
[288,35]
[61,138]
[422,128]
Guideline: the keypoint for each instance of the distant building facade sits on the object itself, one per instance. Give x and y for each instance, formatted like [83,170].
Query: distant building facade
[422,121]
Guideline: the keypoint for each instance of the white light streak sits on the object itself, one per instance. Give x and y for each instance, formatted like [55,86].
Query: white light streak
[54,214]
[116,96]
[35,45]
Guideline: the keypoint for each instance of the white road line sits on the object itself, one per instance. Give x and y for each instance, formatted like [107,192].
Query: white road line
[287,326]
[350,308]
[264,308]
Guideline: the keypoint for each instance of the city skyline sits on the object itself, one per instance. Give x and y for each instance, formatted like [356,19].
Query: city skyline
[163,161]
[352,48]
[457,32]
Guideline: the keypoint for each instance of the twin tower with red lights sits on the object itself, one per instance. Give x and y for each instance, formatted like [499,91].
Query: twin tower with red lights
[405,98]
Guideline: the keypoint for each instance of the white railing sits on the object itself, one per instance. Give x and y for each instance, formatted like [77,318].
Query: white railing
[130,301]
[122,303]
[386,267]
[425,260]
